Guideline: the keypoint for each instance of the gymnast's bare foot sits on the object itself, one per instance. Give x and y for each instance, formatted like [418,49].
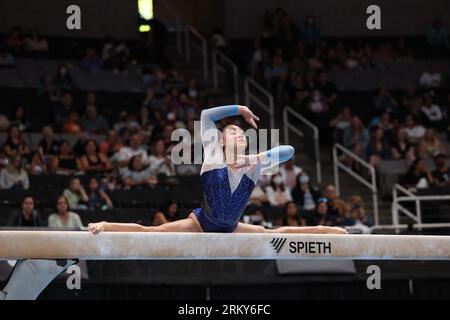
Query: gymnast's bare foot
[98,227]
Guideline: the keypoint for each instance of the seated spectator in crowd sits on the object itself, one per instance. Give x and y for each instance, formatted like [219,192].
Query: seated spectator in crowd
[160,162]
[63,79]
[93,122]
[401,148]
[35,42]
[258,196]
[441,175]
[289,172]
[336,205]
[19,119]
[72,124]
[136,175]
[48,146]
[65,162]
[168,212]
[277,194]
[14,176]
[323,216]
[304,194]
[26,216]
[150,101]
[327,88]
[91,61]
[317,103]
[98,199]
[432,114]
[14,40]
[432,78]
[340,123]
[37,165]
[134,149]
[64,218]
[146,124]
[414,131]
[218,40]
[384,101]
[437,36]
[356,213]
[92,161]
[430,145]
[111,145]
[14,145]
[376,149]
[63,109]
[6,59]
[291,217]
[258,217]
[76,195]
[355,138]
[417,176]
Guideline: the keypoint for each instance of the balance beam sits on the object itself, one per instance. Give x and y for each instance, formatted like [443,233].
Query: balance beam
[147,246]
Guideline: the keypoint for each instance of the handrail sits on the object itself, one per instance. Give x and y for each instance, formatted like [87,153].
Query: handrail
[177,23]
[417,217]
[203,48]
[268,107]
[215,70]
[288,126]
[372,185]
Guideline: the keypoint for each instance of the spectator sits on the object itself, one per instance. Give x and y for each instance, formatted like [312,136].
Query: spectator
[136,175]
[322,215]
[357,213]
[72,124]
[258,196]
[414,131]
[91,61]
[327,88]
[93,122]
[65,162]
[432,114]
[35,42]
[430,145]
[111,144]
[98,199]
[134,149]
[75,194]
[218,40]
[336,205]
[26,216]
[441,175]
[340,123]
[169,212]
[432,78]
[62,110]
[310,33]
[14,177]
[401,148]
[355,138]
[160,161]
[291,217]
[258,217]
[48,146]
[417,176]
[437,36]
[150,100]
[63,79]
[6,59]
[376,149]
[289,172]
[384,101]
[63,218]
[276,192]
[305,195]
[19,119]
[317,104]
[37,165]
[146,125]
[92,161]
[14,145]
[14,40]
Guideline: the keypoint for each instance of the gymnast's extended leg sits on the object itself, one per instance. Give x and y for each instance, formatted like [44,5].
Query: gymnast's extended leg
[250,228]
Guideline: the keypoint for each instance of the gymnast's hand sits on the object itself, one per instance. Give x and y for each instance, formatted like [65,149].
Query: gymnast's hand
[98,227]
[248,115]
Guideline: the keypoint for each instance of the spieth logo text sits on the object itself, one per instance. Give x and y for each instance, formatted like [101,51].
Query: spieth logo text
[302,247]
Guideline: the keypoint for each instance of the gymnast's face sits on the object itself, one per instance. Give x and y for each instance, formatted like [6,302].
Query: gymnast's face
[233,137]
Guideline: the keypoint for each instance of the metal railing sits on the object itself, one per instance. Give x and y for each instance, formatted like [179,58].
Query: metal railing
[417,217]
[178,29]
[288,126]
[202,47]
[219,59]
[249,85]
[372,185]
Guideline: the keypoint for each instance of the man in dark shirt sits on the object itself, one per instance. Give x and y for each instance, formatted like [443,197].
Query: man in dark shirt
[441,174]
[26,216]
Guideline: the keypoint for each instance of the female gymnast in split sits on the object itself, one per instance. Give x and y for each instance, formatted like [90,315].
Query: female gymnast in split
[228,178]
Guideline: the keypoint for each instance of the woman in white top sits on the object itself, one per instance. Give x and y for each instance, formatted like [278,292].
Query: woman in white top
[14,176]
[160,162]
[276,192]
[63,218]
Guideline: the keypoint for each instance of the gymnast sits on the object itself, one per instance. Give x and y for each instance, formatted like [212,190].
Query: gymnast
[228,177]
